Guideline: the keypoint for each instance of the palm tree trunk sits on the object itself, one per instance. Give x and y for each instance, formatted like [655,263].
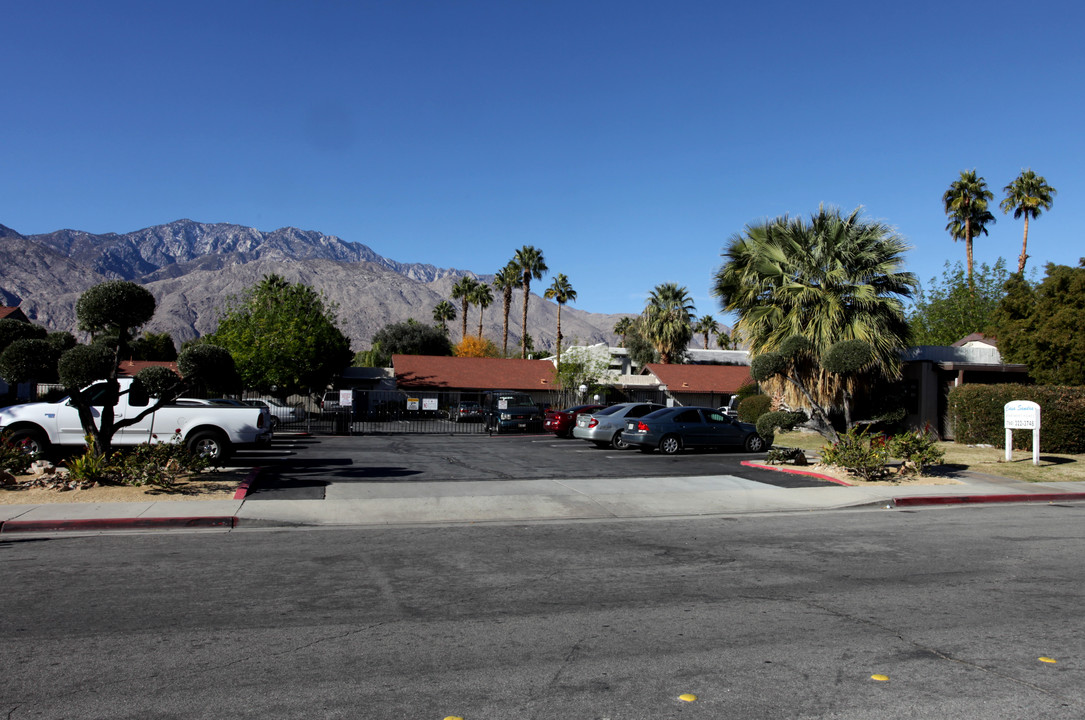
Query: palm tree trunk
[481,310]
[507,296]
[968,253]
[559,337]
[1024,250]
[463,331]
[523,325]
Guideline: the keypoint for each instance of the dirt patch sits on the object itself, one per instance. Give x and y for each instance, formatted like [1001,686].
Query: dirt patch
[211,486]
[893,480]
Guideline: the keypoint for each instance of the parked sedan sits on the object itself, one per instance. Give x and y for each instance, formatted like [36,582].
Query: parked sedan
[280,412]
[467,411]
[561,422]
[673,429]
[604,427]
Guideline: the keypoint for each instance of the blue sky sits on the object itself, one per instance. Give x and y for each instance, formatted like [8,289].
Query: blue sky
[627,140]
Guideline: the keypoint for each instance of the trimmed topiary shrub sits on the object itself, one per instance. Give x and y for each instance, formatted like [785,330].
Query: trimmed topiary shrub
[751,408]
[977,413]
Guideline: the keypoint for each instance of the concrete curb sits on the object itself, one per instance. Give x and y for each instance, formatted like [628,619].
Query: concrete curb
[137,523]
[1001,498]
[246,485]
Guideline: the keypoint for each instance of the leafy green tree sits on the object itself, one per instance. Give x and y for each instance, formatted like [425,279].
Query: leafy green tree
[463,291]
[154,346]
[12,330]
[282,335]
[950,310]
[966,206]
[641,350]
[828,279]
[705,327]
[668,321]
[1041,326]
[581,367]
[115,310]
[506,280]
[442,313]
[561,291]
[482,296]
[622,328]
[409,338]
[1027,196]
[529,261]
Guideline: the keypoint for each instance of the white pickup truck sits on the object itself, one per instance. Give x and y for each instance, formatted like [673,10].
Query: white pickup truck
[214,431]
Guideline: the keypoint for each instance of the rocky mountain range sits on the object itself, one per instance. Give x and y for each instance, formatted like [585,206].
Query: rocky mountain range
[193,269]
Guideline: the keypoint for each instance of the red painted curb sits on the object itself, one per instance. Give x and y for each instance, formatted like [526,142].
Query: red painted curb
[243,488]
[1005,498]
[794,471]
[141,523]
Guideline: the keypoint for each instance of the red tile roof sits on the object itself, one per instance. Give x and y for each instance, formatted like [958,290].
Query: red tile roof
[7,311]
[701,378]
[128,368]
[429,371]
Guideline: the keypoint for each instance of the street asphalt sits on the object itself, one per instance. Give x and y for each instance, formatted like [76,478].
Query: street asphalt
[399,496]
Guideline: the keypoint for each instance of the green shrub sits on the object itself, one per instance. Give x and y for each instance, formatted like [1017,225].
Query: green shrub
[917,449]
[13,457]
[90,466]
[977,412]
[159,464]
[859,453]
[753,407]
[780,456]
[782,419]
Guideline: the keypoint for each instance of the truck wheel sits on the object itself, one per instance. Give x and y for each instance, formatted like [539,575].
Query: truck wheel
[210,444]
[33,441]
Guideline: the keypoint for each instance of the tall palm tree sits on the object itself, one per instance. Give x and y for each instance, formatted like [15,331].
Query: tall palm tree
[622,328]
[966,206]
[706,326]
[1028,195]
[462,291]
[443,312]
[668,320]
[529,261]
[561,291]
[828,279]
[506,279]
[482,296]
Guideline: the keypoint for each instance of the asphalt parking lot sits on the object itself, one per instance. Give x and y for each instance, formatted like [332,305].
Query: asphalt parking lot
[302,467]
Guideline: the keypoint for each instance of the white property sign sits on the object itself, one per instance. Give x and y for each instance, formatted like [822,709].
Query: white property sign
[1022,415]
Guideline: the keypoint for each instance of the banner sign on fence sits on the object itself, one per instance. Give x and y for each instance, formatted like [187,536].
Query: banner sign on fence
[1022,415]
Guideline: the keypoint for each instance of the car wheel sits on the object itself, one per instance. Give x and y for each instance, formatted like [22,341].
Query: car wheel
[670,444]
[209,444]
[33,441]
[755,443]
[618,443]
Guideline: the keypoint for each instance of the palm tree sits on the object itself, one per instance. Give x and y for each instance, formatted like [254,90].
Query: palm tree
[966,206]
[561,291]
[462,291]
[668,318]
[622,328]
[830,279]
[723,340]
[505,280]
[529,261]
[482,296]
[443,312]
[706,326]
[1027,196]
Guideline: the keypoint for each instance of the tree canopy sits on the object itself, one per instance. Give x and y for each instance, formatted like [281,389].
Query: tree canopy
[949,310]
[283,336]
[828,279]
[1040,325]
[668,321]
[408,338]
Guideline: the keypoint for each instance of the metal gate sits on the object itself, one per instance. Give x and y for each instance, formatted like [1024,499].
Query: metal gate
[400,411]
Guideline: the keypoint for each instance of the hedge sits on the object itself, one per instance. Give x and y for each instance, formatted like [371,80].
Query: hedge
[753,407]
[977,413]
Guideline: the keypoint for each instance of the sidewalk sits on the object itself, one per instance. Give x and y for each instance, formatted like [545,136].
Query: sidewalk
[397,504]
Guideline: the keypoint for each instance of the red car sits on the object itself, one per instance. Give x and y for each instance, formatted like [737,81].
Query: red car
[562,422]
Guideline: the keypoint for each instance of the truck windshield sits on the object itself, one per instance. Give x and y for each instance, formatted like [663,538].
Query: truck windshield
[514,400]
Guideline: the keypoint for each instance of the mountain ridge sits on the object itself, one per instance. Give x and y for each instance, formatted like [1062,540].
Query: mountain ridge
[193,269]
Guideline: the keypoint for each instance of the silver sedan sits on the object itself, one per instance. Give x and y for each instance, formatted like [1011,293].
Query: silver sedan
[604,427]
